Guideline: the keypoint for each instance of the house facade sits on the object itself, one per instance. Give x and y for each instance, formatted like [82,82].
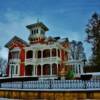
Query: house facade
[43,57]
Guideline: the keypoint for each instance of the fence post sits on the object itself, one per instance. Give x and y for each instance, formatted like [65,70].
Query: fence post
[0,84]
[50,84]
[22,84]
[85,84]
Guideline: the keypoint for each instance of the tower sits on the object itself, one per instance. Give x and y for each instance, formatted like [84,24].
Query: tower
[37,32]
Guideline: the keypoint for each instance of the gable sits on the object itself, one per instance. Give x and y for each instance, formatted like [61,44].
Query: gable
[16,42]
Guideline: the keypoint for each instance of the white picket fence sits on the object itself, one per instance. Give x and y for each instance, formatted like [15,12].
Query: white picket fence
[53,84]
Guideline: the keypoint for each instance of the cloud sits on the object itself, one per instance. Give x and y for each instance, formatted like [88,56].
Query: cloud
[13,24]
[4,53]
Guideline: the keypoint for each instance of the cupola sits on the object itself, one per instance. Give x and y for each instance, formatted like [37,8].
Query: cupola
[37,32]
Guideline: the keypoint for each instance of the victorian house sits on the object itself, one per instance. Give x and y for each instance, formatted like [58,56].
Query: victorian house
[43,57]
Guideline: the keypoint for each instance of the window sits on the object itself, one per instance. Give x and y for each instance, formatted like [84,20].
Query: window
[35,31]
[14,69]
[54,69]
[58,53]
[46,69]
[42,32]
[14,55]
[29,70]
[46,53]
[39,70]
[53,52]
[39,54]
[29,54]
[32,32]
[79,69]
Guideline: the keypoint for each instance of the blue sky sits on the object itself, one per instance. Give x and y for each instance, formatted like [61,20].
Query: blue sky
[65,18]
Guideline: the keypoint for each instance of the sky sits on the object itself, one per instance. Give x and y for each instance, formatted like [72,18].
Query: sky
[64,18]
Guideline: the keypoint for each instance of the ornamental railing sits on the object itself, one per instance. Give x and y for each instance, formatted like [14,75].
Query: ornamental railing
[42,61]
[53,84]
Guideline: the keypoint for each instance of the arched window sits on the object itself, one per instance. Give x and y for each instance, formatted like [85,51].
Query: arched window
[54,69]
[59,68]
[58,53]
[39,54]
[66,56]
[29,70]
[29,54]
[46,53]
[32,32]
[54,52]
[46,69]
[39,70]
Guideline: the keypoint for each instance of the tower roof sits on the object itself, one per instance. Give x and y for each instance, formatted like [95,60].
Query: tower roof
[38,24]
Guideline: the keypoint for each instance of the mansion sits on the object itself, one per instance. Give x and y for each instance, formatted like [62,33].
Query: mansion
[43,57]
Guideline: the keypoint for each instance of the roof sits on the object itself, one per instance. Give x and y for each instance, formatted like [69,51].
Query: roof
[16,38]
[38,24]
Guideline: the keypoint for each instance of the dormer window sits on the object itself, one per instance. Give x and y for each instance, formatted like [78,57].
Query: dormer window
[32,31]
[35,31]
[42,32]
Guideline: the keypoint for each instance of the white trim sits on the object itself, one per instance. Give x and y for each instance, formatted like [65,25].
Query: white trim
[18,70]
[76,90]
[50,69]
[41,70]
[15,49]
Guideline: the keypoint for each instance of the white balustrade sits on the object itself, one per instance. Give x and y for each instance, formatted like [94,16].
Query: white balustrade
[53,84]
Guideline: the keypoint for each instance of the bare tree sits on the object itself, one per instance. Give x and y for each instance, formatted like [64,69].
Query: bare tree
[3,64]
[77,50]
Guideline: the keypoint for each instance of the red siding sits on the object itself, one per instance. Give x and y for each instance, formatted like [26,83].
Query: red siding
[7,69]
[62,55]
[22,55]
[22,58]
[22,69]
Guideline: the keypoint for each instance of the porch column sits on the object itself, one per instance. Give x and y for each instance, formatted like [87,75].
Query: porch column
[60,53]
[57,69]
[56,52]
[77,69]
[50,52]
[34,70]
[33,54]
[50,58]
[41,70]
[51,69]
[82,70]
[41,56]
